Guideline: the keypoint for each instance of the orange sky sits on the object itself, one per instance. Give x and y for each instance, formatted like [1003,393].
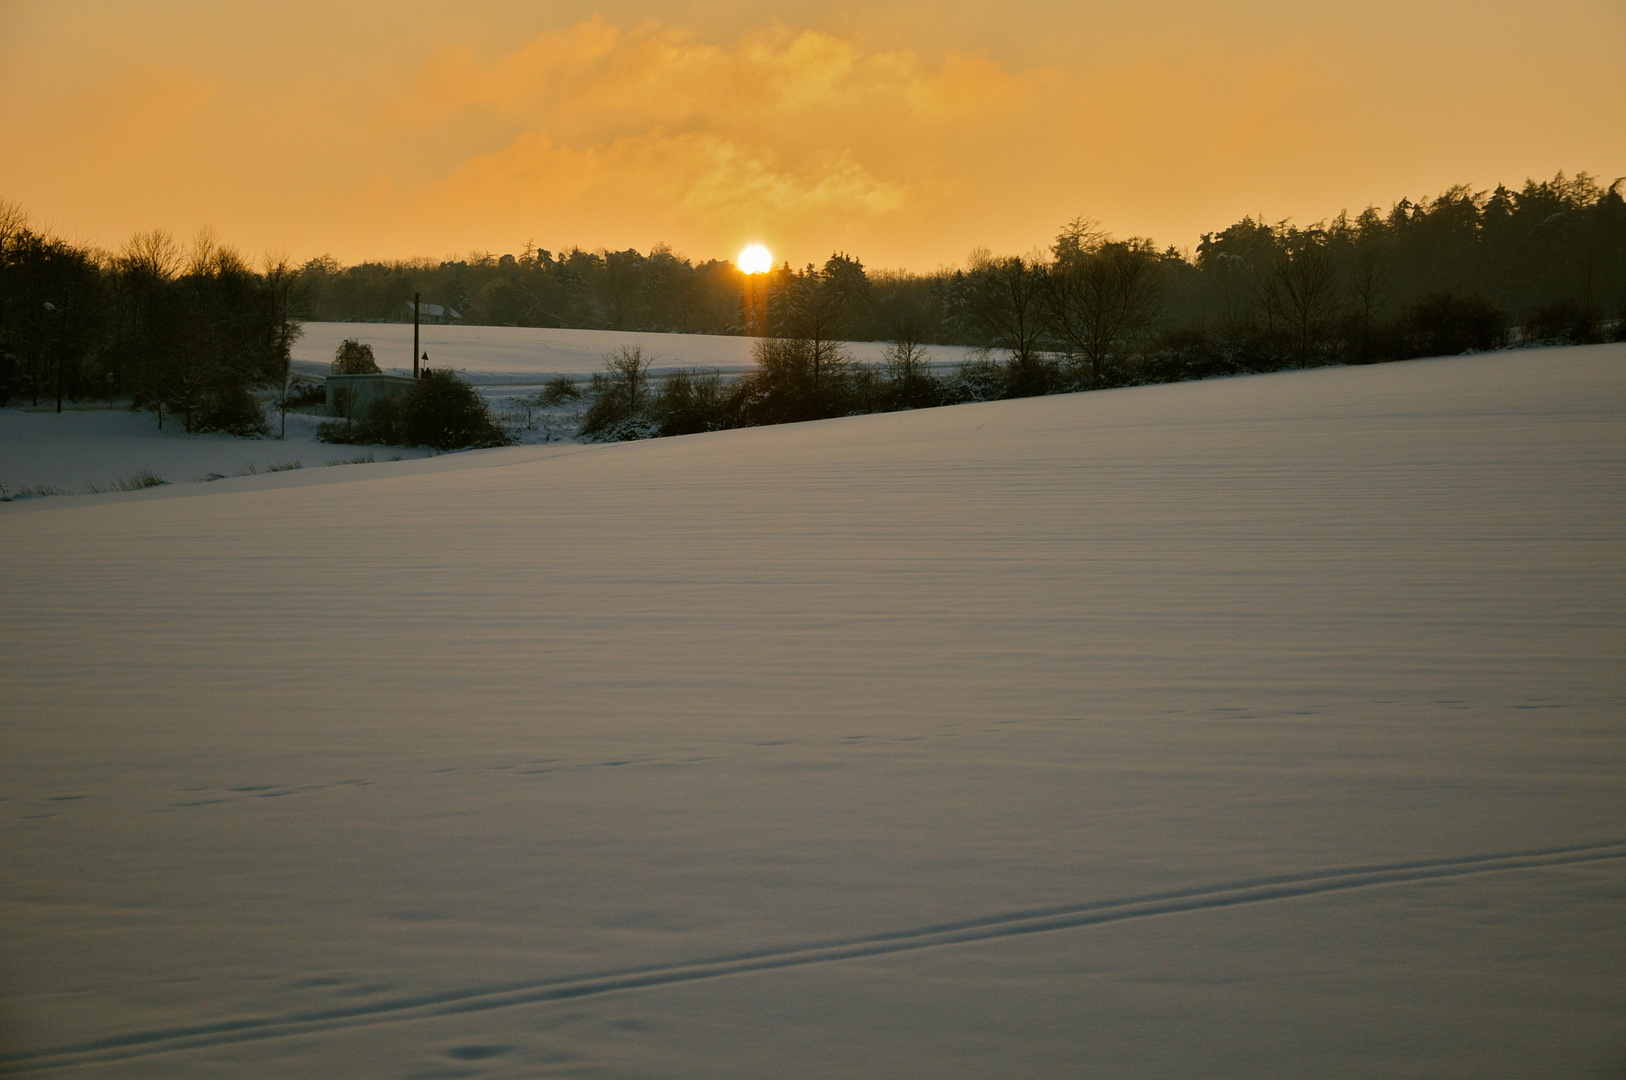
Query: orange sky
[905,133]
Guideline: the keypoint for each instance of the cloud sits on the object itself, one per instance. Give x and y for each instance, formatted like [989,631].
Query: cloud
[770,127]
[624,134]
[697,175]
[883,128]
[594,74]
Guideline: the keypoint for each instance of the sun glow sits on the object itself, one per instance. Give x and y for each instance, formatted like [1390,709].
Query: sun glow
[755,259]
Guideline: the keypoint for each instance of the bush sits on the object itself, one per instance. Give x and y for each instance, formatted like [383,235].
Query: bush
[341,431]
[1445,325]
[1563,323]
[691,402]
[559,391]
[439,411]
[865,390]
[795,379]
[909,381]
[354,358]
[233,410]
[305,392]
[628,428]
[1200,354]
[1033,376]
[620,397]
[443,412]
[976,380]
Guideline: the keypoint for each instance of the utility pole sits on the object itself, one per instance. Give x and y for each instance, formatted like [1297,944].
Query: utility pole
[415,335]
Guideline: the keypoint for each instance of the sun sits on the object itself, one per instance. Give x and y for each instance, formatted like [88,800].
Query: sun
[755,259]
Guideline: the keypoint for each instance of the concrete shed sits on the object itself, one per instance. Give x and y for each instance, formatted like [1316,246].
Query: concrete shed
[353,395]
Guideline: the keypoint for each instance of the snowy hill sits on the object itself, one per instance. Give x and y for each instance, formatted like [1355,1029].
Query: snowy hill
[1269,726]
[529,355]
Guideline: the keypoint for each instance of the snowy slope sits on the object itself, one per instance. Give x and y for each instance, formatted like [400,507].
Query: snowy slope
[82,449]
[1257,727]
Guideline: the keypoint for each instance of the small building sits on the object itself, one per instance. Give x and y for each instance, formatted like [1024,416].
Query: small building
[352,396]
[434,313]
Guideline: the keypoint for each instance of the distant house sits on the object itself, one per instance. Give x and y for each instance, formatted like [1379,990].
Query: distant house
[352,396]
[434,313]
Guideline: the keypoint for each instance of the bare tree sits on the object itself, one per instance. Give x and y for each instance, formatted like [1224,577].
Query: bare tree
[1005,298]
[207,252]
[1370,286]
[817,315]
[13,220]
[1303,288]
[154,254]
[281,277]
[908,369]
[619,395]
[1102,294]
[627,373]
[906,357]
[190,373]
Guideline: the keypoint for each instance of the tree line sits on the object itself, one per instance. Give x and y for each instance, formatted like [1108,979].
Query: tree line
[1094,311]
[193,331]
[1552,254]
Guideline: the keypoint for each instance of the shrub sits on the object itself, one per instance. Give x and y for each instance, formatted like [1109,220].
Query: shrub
[1562,323]
[909,381]
[304,392]
[559,391]
[354,358]
[864,390]
[1032,376]
[1445,325]
[233,410]
[381,423]
[620,397]
[439,411]
[976,380]
[795,379]
[443,412]
[1197,353]
[336,431]
[691,402]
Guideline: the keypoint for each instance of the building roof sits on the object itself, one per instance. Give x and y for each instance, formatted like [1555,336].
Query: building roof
[435,311]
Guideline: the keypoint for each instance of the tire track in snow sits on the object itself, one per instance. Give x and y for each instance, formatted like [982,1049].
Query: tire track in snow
[982,929]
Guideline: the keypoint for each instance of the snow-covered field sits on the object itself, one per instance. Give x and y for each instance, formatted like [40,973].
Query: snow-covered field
[84,449]
[1259,727]
[43,452]
[506,354]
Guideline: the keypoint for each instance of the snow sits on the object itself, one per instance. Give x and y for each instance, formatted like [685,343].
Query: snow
[80,450]
[87,449]
[508,354]
[1255,727]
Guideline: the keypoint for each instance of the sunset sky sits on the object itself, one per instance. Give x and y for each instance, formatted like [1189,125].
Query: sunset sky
[905,133]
